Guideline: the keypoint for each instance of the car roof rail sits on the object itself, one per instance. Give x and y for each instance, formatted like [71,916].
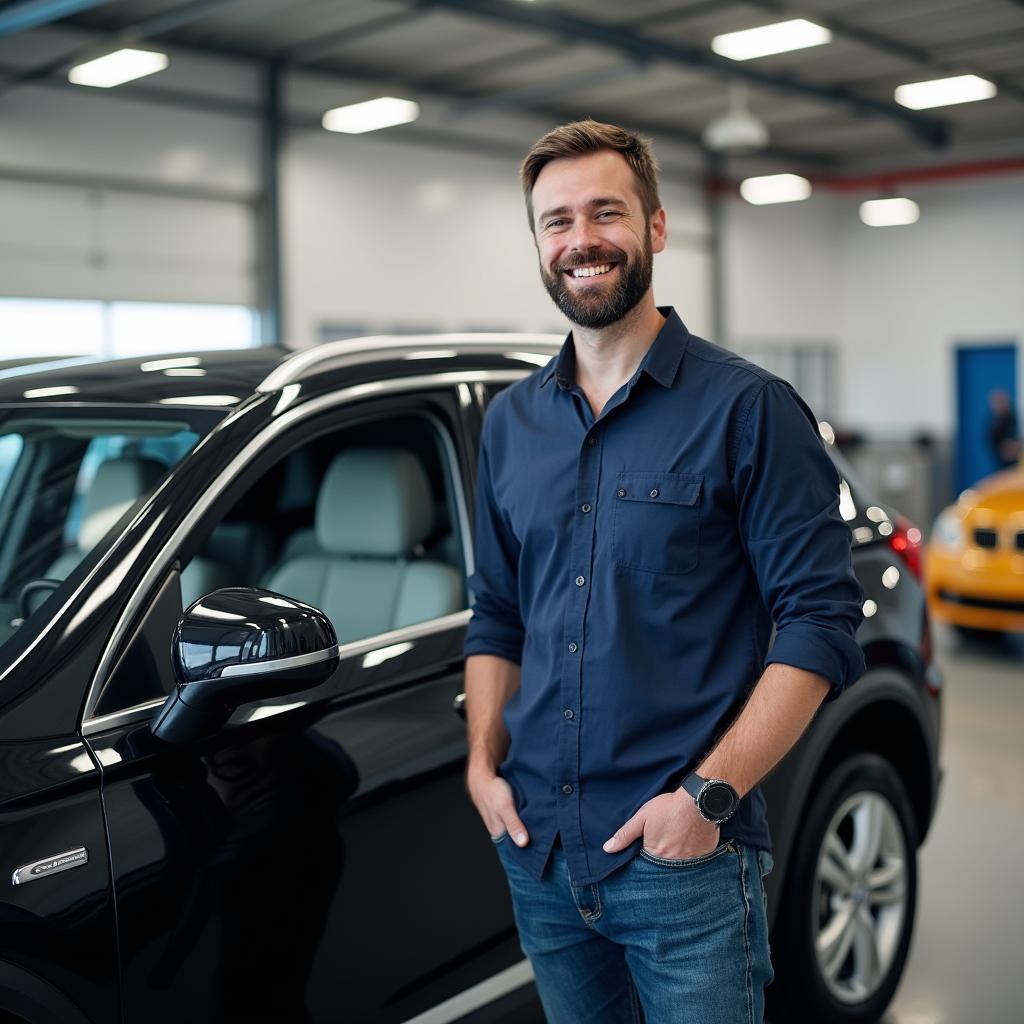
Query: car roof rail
[351,351]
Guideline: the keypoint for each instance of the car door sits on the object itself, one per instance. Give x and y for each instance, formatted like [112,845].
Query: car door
[317,859]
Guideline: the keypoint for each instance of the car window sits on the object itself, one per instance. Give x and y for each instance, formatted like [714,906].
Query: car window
[66,479]
[362,522]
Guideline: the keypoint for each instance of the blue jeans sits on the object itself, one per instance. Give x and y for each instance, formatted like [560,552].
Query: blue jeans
[685,940]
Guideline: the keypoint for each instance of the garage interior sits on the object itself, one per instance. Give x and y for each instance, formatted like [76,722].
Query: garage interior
[213,202]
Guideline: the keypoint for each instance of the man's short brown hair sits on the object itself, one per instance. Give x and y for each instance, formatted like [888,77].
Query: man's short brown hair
[581,138]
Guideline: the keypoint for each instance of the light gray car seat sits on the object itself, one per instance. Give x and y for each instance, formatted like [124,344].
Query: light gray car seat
[117,485]
[373,508]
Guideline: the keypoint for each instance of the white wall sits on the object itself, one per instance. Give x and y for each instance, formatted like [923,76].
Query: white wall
[895,301]
[392,236]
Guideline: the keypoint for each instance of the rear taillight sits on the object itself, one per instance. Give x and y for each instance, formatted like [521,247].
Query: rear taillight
[905,540]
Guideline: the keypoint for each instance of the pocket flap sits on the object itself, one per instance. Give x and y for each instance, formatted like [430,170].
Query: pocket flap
[673,488]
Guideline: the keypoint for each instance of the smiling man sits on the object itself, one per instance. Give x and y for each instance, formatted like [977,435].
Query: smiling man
[647,505]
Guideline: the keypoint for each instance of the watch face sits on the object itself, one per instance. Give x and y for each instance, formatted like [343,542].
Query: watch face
[718,800]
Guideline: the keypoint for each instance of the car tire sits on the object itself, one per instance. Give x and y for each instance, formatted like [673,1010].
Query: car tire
[851,889]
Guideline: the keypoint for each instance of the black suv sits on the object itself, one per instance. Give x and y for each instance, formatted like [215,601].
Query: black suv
[213,808]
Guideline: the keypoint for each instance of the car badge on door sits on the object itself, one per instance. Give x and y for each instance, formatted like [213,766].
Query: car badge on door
[51,865]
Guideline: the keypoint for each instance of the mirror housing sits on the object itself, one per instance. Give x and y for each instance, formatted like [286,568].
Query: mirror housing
[239,645]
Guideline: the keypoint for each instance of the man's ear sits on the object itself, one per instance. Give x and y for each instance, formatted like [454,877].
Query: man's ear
[659,230]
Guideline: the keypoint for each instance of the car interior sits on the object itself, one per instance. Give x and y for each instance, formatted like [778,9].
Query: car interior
[357,523]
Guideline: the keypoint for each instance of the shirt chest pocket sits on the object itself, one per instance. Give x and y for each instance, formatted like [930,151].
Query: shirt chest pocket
[656,521]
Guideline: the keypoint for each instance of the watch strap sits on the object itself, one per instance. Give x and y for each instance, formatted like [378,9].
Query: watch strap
[693,784]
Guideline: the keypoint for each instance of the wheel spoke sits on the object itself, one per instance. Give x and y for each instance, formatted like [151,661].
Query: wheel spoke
[834,864]
[867,963]
[886,885]
[835,940]
[868,821]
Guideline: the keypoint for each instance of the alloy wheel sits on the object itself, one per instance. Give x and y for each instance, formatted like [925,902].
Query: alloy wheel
[860,896]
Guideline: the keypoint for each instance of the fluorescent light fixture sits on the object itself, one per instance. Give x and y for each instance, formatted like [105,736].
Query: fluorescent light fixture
[50,392]
[941,92]
[884,213]
[201,400]
[371,115]
[775,188]
[118,67]
[781,37]
[152,365]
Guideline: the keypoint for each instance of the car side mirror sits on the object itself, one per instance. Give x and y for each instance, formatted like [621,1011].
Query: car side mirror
[238,645]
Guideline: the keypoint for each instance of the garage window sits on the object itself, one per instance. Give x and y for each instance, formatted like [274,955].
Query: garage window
[65,327]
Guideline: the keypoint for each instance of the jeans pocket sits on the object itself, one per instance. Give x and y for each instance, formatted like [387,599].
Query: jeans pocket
[726,846]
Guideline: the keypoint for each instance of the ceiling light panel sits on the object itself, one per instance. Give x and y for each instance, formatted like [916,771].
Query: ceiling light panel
[118,67]
[942,92]
[775,188]
[384,112]
[884,213]
[781,37]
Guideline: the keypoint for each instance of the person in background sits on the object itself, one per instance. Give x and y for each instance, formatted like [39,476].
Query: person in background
[1003,436]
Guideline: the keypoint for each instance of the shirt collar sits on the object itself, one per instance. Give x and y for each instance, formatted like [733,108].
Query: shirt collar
[661,361]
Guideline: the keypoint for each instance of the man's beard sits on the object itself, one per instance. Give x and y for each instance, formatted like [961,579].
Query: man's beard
[599,306]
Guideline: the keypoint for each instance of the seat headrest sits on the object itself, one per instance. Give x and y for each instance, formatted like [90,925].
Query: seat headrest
[117,485]
[374,501]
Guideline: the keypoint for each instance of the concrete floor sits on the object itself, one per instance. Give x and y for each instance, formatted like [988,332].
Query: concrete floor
[967,960]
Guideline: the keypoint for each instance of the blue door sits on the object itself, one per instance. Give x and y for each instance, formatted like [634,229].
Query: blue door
[980,370]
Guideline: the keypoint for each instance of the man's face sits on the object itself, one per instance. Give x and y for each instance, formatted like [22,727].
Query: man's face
[594,241]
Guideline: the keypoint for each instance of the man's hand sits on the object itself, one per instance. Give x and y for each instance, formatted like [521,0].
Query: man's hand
[670,826]
[493,798]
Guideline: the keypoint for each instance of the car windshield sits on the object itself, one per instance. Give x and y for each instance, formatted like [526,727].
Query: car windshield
[67,478]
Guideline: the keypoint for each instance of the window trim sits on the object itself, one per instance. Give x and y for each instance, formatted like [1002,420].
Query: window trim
[92,724]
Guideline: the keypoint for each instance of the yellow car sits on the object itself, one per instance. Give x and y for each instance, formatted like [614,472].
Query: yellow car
[974,562]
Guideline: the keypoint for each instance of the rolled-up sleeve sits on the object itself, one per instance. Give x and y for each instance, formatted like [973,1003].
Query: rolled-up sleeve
[787,494]
[496,626]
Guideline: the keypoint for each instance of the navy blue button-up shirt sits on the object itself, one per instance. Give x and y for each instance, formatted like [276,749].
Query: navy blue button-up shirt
[633,565]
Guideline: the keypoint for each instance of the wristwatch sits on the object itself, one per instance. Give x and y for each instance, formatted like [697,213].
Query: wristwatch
[716,799]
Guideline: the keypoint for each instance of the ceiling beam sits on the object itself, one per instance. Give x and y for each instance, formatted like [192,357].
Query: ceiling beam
[330,42]
[528,95]
[622,39]
[19,17]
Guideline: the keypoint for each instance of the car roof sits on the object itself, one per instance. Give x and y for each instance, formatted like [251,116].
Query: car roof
[218,378]
[224,378]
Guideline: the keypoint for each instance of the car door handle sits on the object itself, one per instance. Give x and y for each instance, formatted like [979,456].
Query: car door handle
[459,705]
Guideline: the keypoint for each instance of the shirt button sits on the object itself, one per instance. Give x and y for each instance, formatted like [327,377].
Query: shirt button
[580,581]
[591,441]
[621,492]
[567,789]
[569,713]
[585,507]
[572,648]
[654,492]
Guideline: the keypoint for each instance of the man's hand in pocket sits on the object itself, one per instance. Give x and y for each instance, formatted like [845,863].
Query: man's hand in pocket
[493,798]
